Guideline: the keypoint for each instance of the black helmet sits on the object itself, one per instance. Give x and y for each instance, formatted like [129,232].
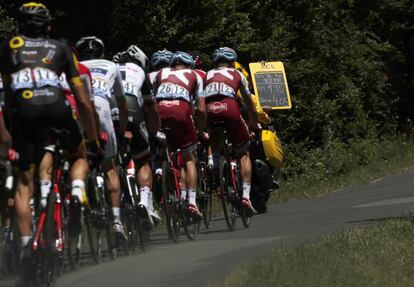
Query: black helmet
[33,19]
[90,47]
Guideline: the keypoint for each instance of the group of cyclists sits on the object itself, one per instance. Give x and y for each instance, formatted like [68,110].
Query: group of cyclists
[106,105]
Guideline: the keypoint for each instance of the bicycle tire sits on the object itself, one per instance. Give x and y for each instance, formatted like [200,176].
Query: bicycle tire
[206,199]
[225,189]
[168,190]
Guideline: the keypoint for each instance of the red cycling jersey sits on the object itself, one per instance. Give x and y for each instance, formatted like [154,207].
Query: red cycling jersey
[174,90]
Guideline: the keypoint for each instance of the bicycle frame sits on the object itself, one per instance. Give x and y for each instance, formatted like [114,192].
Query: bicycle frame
[55,192]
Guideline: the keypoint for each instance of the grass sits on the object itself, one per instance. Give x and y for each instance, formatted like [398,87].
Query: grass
[377,256]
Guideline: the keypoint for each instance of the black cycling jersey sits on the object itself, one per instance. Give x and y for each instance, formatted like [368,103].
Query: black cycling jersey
[32,67]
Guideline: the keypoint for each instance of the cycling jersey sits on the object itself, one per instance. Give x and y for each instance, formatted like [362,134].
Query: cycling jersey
[177,84]
[174,91]
[33,67]
[225,82]
[201,73]
[133,79]
[106,87]
[221,87]
[106,80]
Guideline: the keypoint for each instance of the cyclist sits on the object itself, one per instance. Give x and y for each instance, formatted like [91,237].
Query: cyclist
[221,85]
[174,88]
[30,64]
[110,104]
[132,64]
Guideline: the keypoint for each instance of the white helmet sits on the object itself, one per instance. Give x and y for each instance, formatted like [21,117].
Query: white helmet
[138,55]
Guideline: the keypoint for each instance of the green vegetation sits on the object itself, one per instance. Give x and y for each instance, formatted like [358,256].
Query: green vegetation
[341,165]
[379,256]
[349,64]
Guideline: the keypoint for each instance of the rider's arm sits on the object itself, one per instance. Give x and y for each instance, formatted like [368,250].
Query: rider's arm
[86,111]
[121,103]
[151,111]
[247,99]
[201,105]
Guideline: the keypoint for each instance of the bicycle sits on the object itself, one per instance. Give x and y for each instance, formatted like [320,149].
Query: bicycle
[204,191]
[98,216]
[137,229]
[50,234]
[174,207]
[229,183]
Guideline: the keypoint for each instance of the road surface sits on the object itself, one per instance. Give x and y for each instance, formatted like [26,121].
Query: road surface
[218,251]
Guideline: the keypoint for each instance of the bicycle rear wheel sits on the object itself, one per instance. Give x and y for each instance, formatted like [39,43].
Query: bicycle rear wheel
[204,197]
[227,193]
[170,202]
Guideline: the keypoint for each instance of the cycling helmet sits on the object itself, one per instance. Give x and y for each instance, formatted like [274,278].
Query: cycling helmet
[137,55]
[33,19]
[224,53]
[183,58]
[161,57]
[90,47]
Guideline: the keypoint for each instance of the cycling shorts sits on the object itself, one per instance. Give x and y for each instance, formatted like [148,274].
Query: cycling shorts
[227,110]
[103,109]
[177,115]
[31,136]
[140,148]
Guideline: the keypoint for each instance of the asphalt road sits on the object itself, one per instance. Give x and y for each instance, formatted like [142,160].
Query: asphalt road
[218,251]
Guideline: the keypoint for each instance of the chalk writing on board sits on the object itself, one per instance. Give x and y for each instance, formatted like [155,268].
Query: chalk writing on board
[271,88]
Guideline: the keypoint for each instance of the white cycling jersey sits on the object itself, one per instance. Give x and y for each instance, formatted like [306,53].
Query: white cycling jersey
[133,77]
[106,80]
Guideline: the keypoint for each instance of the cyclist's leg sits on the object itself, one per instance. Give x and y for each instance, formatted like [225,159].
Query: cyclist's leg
[239,136]
[112,179]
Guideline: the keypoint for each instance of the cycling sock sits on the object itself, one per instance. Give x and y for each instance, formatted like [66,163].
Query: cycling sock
[183,193]
[216,159]
[78,189]
[150,202]
[143,193]
[246,190]
[192,196]
[24,241]
[45,185]
[210,161]
[116,212]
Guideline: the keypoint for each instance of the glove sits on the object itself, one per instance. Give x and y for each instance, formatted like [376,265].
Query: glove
[94,152]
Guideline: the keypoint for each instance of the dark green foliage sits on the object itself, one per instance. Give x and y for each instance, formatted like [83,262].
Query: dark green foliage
[347,62]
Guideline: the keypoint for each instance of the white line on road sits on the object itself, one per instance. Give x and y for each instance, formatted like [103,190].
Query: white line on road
[393,201]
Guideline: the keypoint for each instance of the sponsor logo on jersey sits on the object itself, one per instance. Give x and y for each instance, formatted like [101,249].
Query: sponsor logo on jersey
[170,104]
[217,107]
[36,44]
[16,42]
[47,61]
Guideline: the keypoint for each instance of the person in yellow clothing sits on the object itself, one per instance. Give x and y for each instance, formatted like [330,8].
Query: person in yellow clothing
[266,152]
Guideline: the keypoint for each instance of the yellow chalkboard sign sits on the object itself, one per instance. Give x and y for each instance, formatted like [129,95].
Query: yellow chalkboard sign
[270,84]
